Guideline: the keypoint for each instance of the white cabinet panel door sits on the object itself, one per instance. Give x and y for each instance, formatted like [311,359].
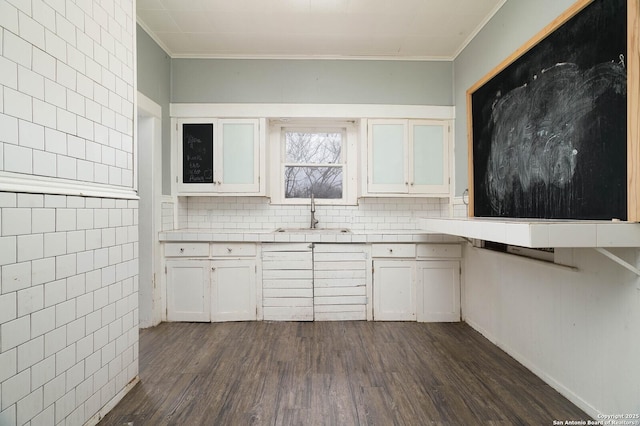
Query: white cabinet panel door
[188,290]
[233,290]
[339,282]
[394,290]
[287,282]
[438,291]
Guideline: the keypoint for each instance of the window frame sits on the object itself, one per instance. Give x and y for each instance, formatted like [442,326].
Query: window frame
[349,160]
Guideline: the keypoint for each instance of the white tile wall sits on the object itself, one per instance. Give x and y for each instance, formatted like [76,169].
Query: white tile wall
[68,267]
[58,308]
[246,213]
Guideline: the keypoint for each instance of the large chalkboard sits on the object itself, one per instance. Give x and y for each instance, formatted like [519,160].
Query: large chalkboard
[548,131]
[197,153]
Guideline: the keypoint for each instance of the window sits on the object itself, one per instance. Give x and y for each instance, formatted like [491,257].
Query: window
[313,163]
[313,158]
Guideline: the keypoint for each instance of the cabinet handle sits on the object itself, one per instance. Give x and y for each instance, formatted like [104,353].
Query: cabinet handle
[213,269]
[181,250]
[411,183]
[406,183]
[229,250]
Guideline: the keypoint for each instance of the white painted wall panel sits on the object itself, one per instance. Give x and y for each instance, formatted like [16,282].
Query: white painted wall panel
[575,329]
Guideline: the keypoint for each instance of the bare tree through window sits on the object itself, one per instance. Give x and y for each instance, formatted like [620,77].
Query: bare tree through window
[313,164]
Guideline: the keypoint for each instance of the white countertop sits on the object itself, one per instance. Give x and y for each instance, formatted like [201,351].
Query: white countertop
[310,236]
[539,233]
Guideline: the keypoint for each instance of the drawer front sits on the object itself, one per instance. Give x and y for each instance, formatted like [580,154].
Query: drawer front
[233,249]
[440,251]
[393,250]
[186,249]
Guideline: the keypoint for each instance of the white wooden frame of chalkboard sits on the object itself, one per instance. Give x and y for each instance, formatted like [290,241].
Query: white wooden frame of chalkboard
[633,99]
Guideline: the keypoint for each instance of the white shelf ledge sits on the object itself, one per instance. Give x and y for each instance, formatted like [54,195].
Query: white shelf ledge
[539,233]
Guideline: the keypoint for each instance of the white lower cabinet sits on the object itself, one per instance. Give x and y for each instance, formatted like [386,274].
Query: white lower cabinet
[416,282]
[394,290]
[219,286]
[188,290]
[233,290]
[438,291]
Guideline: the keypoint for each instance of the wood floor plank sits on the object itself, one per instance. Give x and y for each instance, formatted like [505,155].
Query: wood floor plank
[332,373]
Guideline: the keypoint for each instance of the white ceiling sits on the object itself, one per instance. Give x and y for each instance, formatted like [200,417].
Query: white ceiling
[388,29]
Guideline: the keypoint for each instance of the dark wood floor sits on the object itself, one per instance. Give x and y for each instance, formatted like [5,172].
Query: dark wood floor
[332,373]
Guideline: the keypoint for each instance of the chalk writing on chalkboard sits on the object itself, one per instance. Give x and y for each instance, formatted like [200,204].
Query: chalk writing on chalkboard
[549,130]
[197,153]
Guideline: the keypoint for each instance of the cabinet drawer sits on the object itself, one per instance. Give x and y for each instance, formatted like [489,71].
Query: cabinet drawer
[439,251]
[233,249]
[393,250]
[186,249]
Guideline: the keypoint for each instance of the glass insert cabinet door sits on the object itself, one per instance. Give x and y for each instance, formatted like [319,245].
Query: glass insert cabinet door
[239,157]
[429,172]
[387,171]
[408,157]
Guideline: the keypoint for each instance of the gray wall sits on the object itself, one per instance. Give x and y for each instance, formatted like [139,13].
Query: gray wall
[154,81]
[513,25]
[312,81]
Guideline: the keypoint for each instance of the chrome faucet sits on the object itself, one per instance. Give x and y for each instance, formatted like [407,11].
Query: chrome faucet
[314,221]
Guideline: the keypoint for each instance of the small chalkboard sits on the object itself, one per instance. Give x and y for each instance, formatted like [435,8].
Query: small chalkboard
[197,153]
[548,130]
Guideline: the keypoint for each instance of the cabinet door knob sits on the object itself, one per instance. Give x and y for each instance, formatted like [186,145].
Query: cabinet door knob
[229,250]
[411,183]
[213,269]
[181,250]
[390,250]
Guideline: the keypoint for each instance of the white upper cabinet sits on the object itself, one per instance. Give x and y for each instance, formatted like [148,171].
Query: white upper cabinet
[220,156]
[407,157]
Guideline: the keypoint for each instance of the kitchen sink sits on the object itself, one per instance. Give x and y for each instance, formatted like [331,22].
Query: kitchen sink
[314,230]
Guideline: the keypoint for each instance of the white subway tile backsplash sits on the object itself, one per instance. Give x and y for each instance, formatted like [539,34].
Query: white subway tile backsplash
[16,276]
[44,164]
[15,333]
[66,121]
[30,353]
[54,390]
[45,418]
[75,241]
[15,388]
[44,113]
[18,104]
[55,292]
[65,266]
[27,406]
[30,300]
[31,30]
[55,94]
[43,270]
[43,321]
[8,128]
[8,250]
[18,159]
[30,83]
[8,364]
[30,247]
[44,14]
[9,17]
[8,309]
[8,73]
[17,49]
